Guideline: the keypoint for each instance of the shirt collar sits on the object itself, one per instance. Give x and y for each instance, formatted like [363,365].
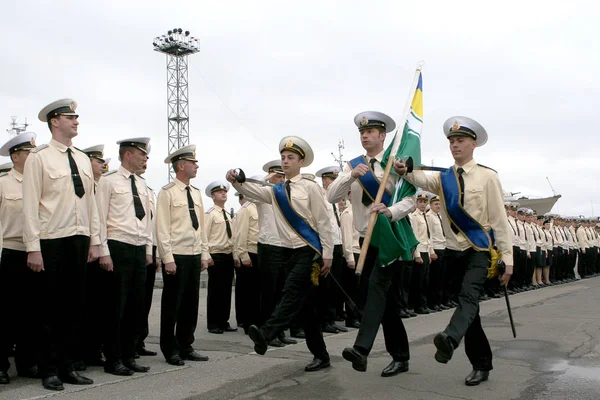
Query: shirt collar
[124,172]
[296,178]
[16,174]
[467,167]
[218,208]
[179,184]
[59,146]
[378,157]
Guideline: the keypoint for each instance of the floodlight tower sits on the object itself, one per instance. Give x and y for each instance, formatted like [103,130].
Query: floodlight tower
[177,46]
[16,128]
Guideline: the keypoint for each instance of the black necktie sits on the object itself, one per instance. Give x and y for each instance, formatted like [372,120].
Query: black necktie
[513,228]
[192,210]
[337,218]
[427,225]
[137,203]
[517,224]
[366,199]
[461,182]
[227,226]
[77,183]
[442,225]
[525,231]
[288,189]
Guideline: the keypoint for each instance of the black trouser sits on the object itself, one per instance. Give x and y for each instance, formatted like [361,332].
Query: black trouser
[363,279]
[299,297]
[220,281]
[350,284]
[17,294]
[272,278]
[61,298]
[436,274]
[419,283]
[472,268]
[382,308]
[179,306]
[531,264]
[328,292]
[407,268]
[596,267]
[515,280]
[554,270]
[125,301]
[148,293]
[572,261]
[96,311]
[523,268]
[247,293]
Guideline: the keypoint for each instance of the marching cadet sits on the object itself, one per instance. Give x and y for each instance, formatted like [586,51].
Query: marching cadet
[124,204]
[151,270]
[219,231]
[245,258]
[6,167]
[469,193]
[333,301]
[350,238]
[362,176]
[96,281]
[270,260]
[183,249]
[306,236]
[437,271]
[16,280]
[422,256]
[61,235]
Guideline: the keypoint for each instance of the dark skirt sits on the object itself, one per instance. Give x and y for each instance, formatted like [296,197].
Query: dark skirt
[549,258]
[540,260]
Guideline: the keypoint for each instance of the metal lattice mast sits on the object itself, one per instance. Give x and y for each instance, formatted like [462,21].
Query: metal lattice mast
[16,128]
[177,45]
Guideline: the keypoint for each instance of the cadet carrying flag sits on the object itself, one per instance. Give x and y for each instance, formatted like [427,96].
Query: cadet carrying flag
[396,240]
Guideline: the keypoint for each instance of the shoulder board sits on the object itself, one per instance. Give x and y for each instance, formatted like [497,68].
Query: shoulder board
[309,180]
[3,174]
[168,185]
[78,149]
[109,172]
[39,148]
[194,187]
[487,167]
[149,188]
[141,177]
[210,210]
[246,204]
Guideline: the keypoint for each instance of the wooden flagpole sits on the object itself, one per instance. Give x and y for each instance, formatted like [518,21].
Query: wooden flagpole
[388,169]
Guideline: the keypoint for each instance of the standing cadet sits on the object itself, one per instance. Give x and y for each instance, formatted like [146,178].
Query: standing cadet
[270,260]
[219,231]
[16,280]
[362,176]
[350,238]
[61,235]
[437,267]
[183,249]
[472,200]
[124,205]
[516,244]
[422,255]
[332,300]
[95,287]
[247,277]
[151,270]
[306,236]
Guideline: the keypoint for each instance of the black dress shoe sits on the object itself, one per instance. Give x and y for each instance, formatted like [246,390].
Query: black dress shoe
[286,340]
[454,304]
[94,362]
[484,297]
[329,328]
[52,383]
[4,378]
[403,314]
[216,330]
[411,313]
[395,368]
[421,311]
[444,346]
[443,307]
[317,364]
[135,367]
[339,328]
[74,378]
[145,352]
[194,356]
[79,366]
[229,328]
[359,361]
[260,342]
[436,308]
[299,334]
[276,343]
[476,377]
[117,369]
[31,372]
[353,324]
[175,360]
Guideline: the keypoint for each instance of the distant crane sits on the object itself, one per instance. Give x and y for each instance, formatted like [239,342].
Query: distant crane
[553,191]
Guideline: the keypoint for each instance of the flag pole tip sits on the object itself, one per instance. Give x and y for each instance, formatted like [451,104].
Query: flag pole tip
[420,65]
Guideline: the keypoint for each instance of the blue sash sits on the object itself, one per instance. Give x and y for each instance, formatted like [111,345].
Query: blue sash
[473,231]
[296,222]
[369,181]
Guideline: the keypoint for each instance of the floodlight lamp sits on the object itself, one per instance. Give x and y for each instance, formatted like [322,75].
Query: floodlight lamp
[170,32]
[187,33]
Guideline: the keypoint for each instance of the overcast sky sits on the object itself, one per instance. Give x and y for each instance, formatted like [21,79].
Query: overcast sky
[526,70]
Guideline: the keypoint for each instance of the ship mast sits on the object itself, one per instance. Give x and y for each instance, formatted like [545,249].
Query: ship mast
[339,158]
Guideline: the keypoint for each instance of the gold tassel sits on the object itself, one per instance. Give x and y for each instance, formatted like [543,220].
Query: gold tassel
[493,269]
[314,276]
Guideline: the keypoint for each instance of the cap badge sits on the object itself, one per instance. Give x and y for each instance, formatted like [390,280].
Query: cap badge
[72,106]
[455,126]
[32,141]
[336,171]
[364,121]
[290,143]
